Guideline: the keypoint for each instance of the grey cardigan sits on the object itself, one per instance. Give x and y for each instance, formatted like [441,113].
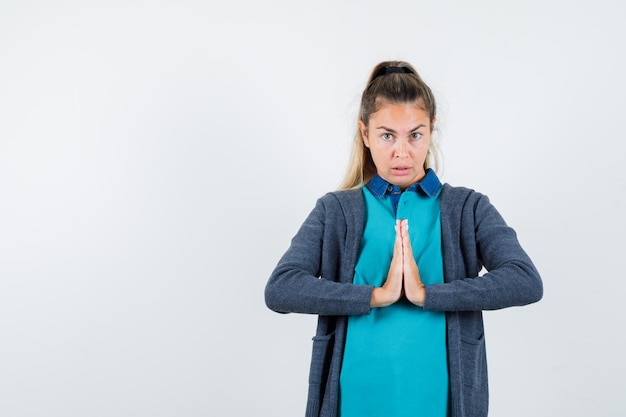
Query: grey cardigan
[315,276]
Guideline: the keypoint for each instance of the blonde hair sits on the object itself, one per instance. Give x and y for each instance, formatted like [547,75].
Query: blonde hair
[395,82]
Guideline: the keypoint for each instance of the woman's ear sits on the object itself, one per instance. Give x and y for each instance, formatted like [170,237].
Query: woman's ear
[363,130]
[433,124]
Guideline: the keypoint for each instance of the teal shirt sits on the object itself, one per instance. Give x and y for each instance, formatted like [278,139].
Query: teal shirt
[395,359]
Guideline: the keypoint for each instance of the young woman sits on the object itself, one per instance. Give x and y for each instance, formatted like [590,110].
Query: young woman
[391,264]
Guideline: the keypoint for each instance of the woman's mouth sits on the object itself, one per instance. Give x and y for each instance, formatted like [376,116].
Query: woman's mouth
[400,170]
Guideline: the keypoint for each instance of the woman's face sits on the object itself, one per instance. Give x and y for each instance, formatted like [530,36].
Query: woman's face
[398,137]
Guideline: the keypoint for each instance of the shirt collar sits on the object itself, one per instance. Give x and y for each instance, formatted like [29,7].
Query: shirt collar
[430,185]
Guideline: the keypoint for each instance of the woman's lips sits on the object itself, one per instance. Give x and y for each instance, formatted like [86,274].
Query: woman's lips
[400,170]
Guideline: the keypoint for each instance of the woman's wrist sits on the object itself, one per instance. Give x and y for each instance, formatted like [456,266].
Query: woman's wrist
[417,295]
[381,298]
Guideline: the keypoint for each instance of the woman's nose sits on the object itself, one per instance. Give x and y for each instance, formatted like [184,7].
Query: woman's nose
[401,149]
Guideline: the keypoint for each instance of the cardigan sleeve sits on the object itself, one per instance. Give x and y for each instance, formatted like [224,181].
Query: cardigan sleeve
[476,235]
[308,277]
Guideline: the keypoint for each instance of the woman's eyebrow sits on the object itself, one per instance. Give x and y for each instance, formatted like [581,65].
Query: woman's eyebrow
[393,131]
[387,129]
[415,128]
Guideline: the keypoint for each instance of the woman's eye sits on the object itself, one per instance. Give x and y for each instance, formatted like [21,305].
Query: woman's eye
[387,136]
[416,136]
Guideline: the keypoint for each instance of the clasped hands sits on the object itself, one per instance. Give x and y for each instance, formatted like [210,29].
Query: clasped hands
[403,277]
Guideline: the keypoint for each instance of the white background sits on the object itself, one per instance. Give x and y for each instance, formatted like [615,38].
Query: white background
[156,157]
